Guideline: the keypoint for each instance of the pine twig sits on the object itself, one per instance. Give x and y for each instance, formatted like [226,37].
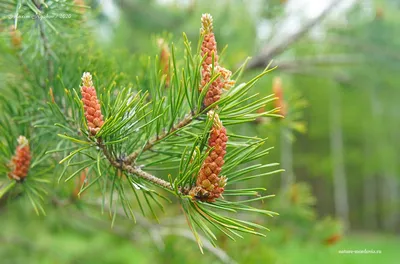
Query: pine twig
[147,176]
[125,165]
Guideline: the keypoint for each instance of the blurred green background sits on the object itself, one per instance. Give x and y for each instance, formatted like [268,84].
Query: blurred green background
[338,62]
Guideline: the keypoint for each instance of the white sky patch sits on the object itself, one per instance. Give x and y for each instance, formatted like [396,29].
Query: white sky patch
[264,29]
[110,10]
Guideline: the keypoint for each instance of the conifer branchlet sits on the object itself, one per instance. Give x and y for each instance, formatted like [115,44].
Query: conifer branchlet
[146,130]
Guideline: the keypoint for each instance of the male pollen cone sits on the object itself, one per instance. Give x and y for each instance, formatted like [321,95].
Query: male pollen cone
[21,161]
[208,46]
[91,104]
[223,82]
[209,49]
[278,92]
[209,186]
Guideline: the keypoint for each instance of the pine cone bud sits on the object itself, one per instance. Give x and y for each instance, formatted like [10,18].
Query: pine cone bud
[223,82]
[209,186]
[208,46]
[16,38]
[209,49]
[91,104]
[21,161]
[278,92]
[164,59]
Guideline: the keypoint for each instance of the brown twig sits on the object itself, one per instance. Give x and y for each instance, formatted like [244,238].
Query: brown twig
[147,176]
[126,166]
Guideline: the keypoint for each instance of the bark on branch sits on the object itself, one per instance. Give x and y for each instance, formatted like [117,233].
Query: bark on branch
[126,165]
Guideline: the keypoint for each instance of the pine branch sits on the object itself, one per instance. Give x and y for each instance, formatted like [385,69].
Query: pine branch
[151,178]
[170,127]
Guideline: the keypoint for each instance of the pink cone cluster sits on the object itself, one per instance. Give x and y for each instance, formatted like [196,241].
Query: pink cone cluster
[209,185]
[91,104]
[209,49]
[21,161]
[223,82]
